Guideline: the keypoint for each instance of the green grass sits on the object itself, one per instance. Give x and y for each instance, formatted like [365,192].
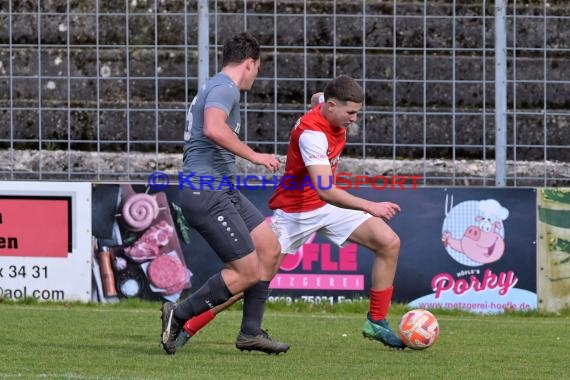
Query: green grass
[77,341]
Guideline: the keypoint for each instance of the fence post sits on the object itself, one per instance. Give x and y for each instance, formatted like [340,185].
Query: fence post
[500,93]
[203,42]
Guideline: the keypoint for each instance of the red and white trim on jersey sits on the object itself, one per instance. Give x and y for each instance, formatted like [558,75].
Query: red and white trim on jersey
[313,142]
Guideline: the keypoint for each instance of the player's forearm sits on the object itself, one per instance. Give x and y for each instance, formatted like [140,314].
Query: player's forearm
[227,139]
[341,198]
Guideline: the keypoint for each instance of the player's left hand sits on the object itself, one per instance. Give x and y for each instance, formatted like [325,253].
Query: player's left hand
[385,210]
[268,160]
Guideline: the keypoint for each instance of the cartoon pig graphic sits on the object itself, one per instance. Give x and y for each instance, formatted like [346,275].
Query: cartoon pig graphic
[481,242]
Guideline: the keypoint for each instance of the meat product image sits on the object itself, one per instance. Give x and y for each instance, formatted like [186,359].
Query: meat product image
[143,251]
[147,246]
[139,210]
[161,233]
[167,272]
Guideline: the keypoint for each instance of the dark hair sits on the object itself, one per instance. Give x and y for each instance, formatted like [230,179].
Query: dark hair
[239,48]
[344,89]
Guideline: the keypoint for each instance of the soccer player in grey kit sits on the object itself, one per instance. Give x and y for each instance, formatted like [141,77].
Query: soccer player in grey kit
[229,222]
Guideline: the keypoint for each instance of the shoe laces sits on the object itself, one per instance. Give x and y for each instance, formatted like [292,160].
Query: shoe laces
[265,334]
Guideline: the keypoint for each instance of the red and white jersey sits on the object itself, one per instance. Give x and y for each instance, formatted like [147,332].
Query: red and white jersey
[313,142]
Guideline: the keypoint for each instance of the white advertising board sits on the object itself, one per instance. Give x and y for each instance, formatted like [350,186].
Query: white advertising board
[45,240]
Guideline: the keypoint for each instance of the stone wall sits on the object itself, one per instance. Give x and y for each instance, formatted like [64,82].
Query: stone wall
[104,106]
[137,166]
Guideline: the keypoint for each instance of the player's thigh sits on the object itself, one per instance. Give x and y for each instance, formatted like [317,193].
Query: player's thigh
[264,239]
[250,214]
[338,224]
[375,234]
[215,216]
[294,229]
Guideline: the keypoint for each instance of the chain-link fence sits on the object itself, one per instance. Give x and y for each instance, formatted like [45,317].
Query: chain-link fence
[88,87]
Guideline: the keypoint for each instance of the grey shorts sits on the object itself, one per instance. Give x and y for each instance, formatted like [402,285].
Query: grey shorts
[224,218]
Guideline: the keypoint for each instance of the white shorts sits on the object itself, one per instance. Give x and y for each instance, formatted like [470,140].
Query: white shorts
[293,229]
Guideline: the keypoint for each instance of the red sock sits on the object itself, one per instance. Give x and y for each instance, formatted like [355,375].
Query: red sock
[380,303]
[195,324]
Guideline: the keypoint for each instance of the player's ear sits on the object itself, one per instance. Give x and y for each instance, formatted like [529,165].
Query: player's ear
[250,64]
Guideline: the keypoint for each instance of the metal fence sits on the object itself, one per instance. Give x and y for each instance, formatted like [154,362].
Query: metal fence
[110,81]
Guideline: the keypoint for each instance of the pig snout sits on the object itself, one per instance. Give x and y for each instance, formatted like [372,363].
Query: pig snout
[473,233]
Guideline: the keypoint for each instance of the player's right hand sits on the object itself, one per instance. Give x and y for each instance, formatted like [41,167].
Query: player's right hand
[268,160]
[386,210]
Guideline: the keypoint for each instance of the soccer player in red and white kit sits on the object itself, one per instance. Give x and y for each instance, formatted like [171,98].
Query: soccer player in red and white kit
[307,201]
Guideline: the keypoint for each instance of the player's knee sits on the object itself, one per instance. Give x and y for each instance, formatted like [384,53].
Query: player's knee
[395,243]
[270,255]
[393,248]
[389,248]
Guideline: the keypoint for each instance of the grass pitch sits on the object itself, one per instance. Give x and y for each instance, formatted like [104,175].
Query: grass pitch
[78,341]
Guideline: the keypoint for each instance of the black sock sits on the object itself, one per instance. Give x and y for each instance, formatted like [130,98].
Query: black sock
[214,292]
[254,300]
